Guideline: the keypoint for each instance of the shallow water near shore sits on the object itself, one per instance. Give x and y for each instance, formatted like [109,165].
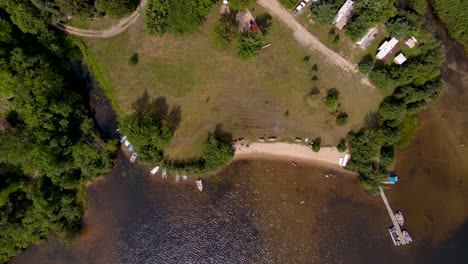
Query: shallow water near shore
[262,211]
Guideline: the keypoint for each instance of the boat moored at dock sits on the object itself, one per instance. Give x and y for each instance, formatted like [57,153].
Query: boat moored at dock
[399,217]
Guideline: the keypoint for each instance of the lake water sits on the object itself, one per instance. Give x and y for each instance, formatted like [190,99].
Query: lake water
[266,211]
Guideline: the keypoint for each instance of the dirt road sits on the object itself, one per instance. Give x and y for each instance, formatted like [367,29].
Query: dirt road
[115,30]
[303,36]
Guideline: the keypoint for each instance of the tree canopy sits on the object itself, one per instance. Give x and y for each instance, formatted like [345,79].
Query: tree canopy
[175,16]
[53,140]
[367,14]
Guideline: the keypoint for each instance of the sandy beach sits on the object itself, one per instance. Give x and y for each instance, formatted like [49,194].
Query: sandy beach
[294,152]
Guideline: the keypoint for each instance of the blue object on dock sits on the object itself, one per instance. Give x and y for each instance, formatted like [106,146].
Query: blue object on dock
[130,148]
[393,179]
[123,139]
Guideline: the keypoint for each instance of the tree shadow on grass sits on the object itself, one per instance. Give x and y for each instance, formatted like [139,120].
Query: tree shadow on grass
[222,135]
[159,108]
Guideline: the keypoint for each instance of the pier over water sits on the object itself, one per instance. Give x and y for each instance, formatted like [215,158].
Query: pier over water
[393,218]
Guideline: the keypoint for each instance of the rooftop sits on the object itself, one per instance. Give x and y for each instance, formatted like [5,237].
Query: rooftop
[386,48]
[344,14]
[400,59]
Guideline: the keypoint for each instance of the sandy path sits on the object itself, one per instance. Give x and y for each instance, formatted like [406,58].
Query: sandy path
[303,36]
[330,156]
[114,30]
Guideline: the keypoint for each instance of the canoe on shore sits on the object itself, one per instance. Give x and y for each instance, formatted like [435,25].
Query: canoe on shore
[154,170]
[133,157]
[199,184]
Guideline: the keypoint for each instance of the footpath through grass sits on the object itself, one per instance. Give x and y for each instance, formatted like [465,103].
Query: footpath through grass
[214,87]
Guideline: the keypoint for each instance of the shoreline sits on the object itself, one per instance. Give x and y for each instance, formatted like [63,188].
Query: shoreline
[326,157]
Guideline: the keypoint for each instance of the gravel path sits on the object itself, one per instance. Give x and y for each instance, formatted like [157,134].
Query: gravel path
[115,30]
[303,36]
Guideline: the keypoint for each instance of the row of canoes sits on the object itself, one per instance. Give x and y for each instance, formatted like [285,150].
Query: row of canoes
[134,156]
[177,177]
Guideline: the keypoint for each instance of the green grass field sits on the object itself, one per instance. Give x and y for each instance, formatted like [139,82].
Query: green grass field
[213,86]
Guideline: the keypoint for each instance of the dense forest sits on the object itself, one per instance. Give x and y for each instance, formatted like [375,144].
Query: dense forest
[453,13]
[414,84]
[53,147]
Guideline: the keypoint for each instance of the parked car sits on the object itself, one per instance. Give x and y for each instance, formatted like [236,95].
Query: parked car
[299,7]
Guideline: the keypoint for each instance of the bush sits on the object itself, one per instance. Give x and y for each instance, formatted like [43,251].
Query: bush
[400,28]
[264,22]
[249,44]
[314,81]
[227,29]
[408,128]
[332,100]
[366,64]
[420,6]
[316,145]
[324,13]
[342,145]
[133,60]
[116,8]
[175,16]
[342,119]
[336,39]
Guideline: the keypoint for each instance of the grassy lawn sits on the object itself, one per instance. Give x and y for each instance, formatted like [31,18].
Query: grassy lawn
[213,86]
[95,24]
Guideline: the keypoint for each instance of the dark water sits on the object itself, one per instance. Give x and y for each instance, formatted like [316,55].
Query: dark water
[269,212]
[262,212]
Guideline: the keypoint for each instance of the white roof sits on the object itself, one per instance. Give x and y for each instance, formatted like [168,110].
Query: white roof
[371,31]
[385,48]
[343,10]
[400,59]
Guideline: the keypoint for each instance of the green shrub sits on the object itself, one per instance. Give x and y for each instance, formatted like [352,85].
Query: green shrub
[420,6]
[316,144]
[325,12]
[264,22]
[342,119]
[133,60]
[366,64]
[332,100]
[342,145]
[227,29]
[175,16]
[408,128]
[249,44]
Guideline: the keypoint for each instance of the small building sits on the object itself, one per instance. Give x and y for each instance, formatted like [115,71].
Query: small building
[344,14]
[366,40]
[5,125]
[410,42]
[400,59]
[246,21]
[386,48]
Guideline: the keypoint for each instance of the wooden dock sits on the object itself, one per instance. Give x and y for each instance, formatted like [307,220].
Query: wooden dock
[392,217]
